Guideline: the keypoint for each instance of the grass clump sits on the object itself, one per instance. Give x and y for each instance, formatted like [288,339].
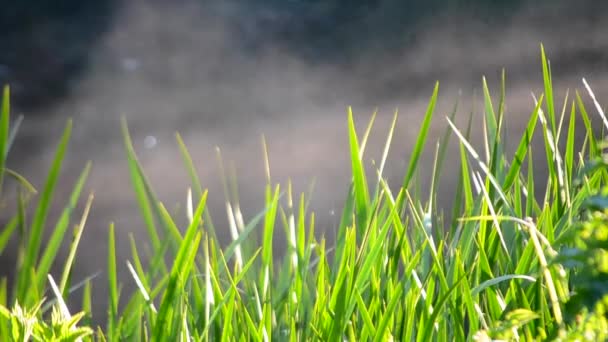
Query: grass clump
[506,266]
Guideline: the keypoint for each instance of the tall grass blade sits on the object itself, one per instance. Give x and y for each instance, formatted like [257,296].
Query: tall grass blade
[4,131]
[74,245]
[422,138]
[112,330]
[39,220]
[182,266]
[359,180]
[522,148]
[58,235]
[548,84]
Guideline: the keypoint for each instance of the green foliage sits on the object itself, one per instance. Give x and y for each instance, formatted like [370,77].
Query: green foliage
[25,325]
[586,258]
[504,266]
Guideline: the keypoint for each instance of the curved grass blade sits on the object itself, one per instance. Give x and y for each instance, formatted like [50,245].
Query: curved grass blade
[497,280]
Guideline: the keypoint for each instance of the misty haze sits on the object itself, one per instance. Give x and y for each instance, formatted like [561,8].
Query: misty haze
[224,74]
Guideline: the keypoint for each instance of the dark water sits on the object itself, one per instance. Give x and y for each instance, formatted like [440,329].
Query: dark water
[225,73]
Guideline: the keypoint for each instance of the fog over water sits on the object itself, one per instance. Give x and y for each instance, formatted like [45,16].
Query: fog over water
[223,75]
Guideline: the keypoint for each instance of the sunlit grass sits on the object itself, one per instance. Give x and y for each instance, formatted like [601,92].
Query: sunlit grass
[505,267]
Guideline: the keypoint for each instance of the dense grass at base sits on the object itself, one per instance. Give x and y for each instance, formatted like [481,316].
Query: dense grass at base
[505,267]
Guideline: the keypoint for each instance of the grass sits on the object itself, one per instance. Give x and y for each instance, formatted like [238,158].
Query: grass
[507,266]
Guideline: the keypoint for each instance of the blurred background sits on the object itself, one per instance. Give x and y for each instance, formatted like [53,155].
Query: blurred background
[48,45]
[225,72]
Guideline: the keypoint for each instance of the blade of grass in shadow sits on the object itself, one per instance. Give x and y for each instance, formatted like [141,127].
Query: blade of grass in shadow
[346,220]
[7,232]
[39,220]
[427,333]
[388,315]
[341,291]
[13,133]
[365,315]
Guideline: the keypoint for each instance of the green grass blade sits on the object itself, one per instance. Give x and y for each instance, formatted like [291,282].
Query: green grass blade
[388,315]
[74,245]
[437,310]
[569,154]
[522,148]
[52,247]
[497,280]
[593,145]
[7,232]
[187,158]
[37,227]
[139,186]
[491,126]
[182,266]
[112,286]
[422,137]
[359,180]
[4,131]
[548,83]
[598,107]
